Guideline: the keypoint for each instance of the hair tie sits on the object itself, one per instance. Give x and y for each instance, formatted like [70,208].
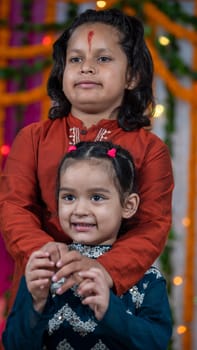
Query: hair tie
[72,148]
[111,153]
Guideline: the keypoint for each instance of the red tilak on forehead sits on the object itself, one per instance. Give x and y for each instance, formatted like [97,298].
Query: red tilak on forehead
[90,36]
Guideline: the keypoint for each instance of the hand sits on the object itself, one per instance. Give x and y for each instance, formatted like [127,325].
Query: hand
[71,264]
[95,291]
[56,250]
[39,271]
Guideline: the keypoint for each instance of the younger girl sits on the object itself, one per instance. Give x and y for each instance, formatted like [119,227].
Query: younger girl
[96,195]
[101,88]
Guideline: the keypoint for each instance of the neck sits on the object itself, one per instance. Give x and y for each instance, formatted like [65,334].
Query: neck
[90,119]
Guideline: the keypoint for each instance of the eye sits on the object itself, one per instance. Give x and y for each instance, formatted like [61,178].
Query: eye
[68,197]
[97,198]
[75,60]
[103,59]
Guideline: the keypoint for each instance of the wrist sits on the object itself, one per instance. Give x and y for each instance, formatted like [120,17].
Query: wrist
[39,305]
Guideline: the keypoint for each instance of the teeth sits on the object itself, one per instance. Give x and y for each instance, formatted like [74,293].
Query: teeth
[82,224]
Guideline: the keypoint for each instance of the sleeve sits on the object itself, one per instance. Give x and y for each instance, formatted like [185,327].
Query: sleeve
[25,327]
[135,251]
[150,327]
[20,209]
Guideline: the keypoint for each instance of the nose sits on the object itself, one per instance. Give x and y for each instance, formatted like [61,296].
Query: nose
[88,67]
[81,208]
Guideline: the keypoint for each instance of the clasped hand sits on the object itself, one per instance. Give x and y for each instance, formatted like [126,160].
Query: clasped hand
[53,262]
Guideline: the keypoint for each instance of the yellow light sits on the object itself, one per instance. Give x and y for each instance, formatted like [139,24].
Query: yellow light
[163,40]
[159,109]
[186,222]
[101,4]
[181,329]
[177,280]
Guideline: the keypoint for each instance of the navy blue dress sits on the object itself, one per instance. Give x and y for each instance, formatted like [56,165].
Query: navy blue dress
[138,320]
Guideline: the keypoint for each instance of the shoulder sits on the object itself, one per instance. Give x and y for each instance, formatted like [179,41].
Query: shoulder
[42,126]
[152,278]
[145,146]
[42,131]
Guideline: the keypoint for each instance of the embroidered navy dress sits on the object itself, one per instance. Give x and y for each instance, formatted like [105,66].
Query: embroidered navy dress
[138,320]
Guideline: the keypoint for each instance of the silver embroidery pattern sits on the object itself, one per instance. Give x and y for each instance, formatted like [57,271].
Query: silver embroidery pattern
[88,250]
[64,345]
[100,346]
[129,312]
[137,297]
[155,271]
[66,313]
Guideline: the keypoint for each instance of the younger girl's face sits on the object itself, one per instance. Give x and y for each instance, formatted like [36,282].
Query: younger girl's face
[89,205]
[96,73]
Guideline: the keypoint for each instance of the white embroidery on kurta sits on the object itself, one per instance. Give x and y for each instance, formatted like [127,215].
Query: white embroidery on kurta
[100,346]
[129,312]
[155,271]
[64,345]
[102,134]
[137,297]
[74,135]
[79,326]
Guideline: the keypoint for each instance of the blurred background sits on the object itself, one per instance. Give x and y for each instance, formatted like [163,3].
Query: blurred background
[27,30]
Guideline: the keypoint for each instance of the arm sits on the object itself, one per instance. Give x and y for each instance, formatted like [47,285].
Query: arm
[134,252]
[128,324]
[25,327]
[19,200]
[149,327]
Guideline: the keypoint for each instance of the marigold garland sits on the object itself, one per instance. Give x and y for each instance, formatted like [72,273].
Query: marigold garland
[4,39]
[191,238]
[49,18]
[152,12]
[173,84]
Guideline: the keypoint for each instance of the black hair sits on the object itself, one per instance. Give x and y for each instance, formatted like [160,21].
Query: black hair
[138,103]
[122,165]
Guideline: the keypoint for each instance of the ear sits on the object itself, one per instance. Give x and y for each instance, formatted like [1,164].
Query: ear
[130,206]
[131,82]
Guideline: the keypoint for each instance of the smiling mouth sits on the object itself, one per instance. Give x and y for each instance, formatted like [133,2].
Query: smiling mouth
[82,226]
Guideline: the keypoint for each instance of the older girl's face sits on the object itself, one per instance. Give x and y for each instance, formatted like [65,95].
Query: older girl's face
[96,74]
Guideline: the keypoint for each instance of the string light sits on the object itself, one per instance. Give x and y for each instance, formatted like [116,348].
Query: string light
[159,109]
[186,222]
[101,4]
[163,40]
[181,329]
[177,280]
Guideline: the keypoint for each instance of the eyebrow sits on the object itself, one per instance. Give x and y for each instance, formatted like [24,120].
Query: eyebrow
[79,51]
[93,189]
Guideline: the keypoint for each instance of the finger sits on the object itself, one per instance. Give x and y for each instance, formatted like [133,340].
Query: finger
[69,283]
[38,263]
[52,248]
[68,258]
[63,250]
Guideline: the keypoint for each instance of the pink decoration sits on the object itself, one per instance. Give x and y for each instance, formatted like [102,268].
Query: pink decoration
[72,148]
[112,153]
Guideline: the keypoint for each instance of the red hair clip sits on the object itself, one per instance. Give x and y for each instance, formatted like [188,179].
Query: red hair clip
[72,148]
[111,153]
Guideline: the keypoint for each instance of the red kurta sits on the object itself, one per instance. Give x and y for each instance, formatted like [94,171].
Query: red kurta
[28,215]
